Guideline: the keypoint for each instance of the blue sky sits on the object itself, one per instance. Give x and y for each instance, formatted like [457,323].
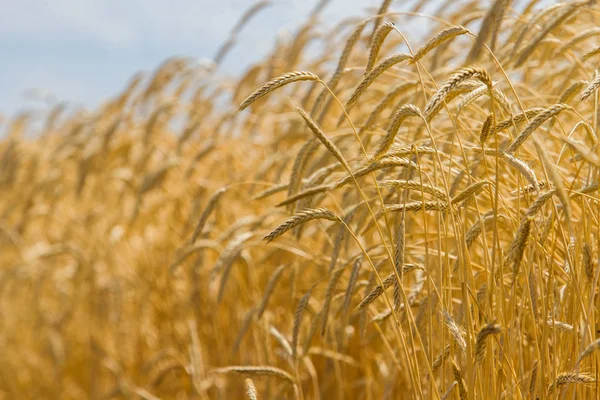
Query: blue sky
[84,51]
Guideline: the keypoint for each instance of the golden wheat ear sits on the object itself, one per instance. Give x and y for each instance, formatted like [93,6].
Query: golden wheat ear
[276,83]
[299,219]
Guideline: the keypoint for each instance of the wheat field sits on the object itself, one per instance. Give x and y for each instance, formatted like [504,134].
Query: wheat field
[373,211]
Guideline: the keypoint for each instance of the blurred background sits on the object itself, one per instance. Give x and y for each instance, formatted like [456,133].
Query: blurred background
[84,51]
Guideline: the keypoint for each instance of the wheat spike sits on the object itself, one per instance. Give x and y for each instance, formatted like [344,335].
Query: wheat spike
[462,390]
[304,194]
[569,377]
[561,16]
[376,292]
[299,219]
[442,37]
[351,284]
[490,25]
[417,206]
[404,112]
[370,77]
[206,213]
[376,42]
[455,330]
[588,260]
[335,277]
[269,289]
[271,191]
[481,341]
[416,186]
[399,261]
[323,138]
[339,70]
[590,89]
[460,76]
[471,190]
[298,320]
[256,370]
[536,123]
[250,389]
[276,83]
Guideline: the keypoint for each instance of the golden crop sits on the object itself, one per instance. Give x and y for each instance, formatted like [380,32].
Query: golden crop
[367,218]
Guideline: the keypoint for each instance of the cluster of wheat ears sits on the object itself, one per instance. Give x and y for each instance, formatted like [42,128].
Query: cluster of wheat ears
[358,216]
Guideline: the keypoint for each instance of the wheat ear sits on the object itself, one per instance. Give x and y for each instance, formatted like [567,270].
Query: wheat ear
[312,125]
[442,37]
[256,370]
[489,25]
[481,341]
[570,377]
[206,213]
[370,77]
[299,219]
[376,292]
[533,125]
[404,112]
[460,76]
[298,320]
[250,389]
[462,390]
[276,83]
[376,42]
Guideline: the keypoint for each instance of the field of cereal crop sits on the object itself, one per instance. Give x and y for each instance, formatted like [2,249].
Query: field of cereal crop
[357,216]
